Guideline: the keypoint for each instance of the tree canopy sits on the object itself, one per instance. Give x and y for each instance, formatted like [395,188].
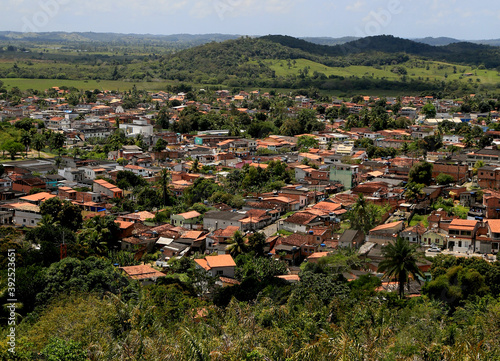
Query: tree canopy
[421,173]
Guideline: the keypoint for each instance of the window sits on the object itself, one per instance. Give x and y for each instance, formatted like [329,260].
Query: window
[220,273]
[24,220]
[459,243]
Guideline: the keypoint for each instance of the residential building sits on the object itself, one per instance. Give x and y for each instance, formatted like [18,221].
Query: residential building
[345,174]
[385,233]
[214,220]
[186,220]
[72,174]
[491,203]
[462,234]
[138,126]
[37,198]
[106,188]
[489,177]
[136,217]
[26,184]
[25,214]
[413,234]
[301,222]
[351,238]
[489,243]
[435,236]
[144,273]
[218,266]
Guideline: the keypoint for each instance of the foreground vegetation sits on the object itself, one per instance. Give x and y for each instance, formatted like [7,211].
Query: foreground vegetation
[86,310]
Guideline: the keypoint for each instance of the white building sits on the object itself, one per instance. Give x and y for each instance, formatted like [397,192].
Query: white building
[138,126]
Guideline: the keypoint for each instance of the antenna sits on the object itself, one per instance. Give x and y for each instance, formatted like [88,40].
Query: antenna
[63,250]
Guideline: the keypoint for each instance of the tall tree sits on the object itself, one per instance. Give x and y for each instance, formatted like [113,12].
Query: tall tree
[257,242]
[57,141]
[12,147]
[64,212]
[405,148]
[400,262]
[413,191]
[26,139]
[38,143]
[421,173]
[164,179]
[429,110]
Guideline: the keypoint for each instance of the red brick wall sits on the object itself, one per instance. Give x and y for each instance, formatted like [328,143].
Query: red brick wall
[453,170]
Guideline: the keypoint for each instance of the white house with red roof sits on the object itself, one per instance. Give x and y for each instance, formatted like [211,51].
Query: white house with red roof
[462,233]
[218,266]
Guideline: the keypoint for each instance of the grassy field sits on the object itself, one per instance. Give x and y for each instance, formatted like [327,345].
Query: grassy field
[431,70]
[416,69]
[44,84]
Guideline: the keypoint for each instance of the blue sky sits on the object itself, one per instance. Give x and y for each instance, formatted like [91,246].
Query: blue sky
[405,18]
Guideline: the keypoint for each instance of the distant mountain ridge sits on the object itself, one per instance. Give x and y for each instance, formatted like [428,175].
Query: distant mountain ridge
[200,39]
[458,52]
[179,40]
[438,41]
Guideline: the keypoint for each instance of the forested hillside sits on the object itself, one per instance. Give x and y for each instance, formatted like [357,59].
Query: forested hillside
[380,63]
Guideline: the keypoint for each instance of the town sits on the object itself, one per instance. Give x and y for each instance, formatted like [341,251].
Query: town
[221,186]
[431,168]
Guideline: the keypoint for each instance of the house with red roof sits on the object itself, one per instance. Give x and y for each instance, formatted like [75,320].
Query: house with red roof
[143,273]
[255,219]
[37,198]
[106,188]
[137,217]
[187,220]
[385,233]
[219,239]
[218,266]
[301,222]
[490,243]
[462,233]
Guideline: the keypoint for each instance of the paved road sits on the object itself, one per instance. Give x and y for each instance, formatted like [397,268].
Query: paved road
[270,230]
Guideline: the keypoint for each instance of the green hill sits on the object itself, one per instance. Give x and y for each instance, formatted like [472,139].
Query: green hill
[379,63]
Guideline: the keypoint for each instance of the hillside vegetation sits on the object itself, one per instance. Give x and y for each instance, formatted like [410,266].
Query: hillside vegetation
[382,63]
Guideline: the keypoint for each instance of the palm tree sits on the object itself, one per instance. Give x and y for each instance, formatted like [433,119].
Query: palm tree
[164,180]
[400,261]
[38,143]
[237,245]
[364,215]
[26,141]
[414,191]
